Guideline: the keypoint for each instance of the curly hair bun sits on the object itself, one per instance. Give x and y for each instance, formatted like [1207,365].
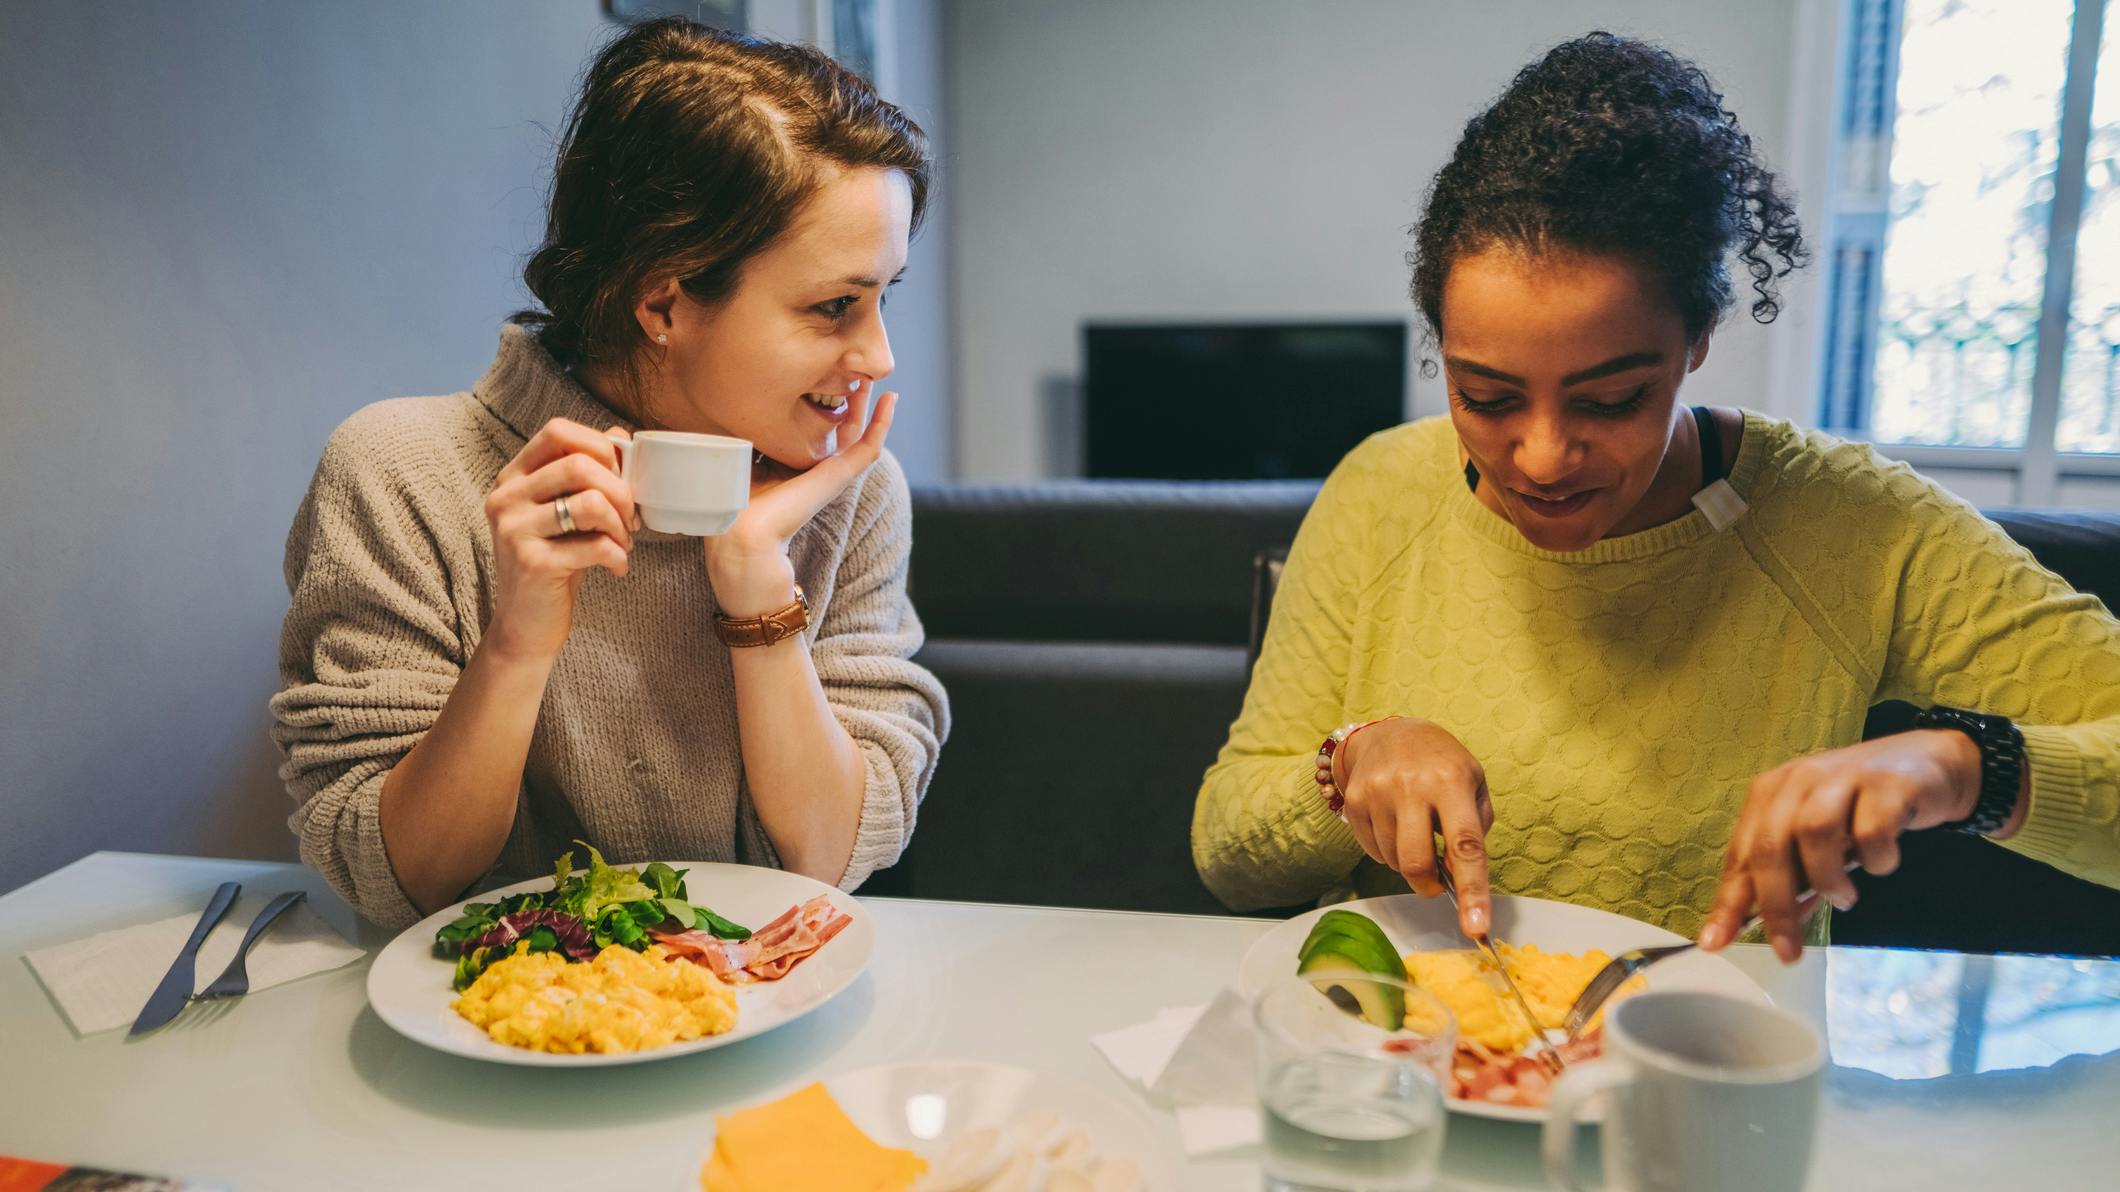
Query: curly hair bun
[1612,145]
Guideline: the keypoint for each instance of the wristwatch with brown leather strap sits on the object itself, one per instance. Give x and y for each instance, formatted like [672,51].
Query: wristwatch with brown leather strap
[778,625]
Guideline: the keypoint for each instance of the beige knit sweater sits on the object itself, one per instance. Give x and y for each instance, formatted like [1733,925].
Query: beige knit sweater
[391,570]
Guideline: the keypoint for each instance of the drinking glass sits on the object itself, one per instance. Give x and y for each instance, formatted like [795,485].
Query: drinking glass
[1348,1106]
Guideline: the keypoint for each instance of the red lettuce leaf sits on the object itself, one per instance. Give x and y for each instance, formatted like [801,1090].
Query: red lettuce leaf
[572,933]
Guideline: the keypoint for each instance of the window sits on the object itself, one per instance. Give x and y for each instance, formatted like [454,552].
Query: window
[1974,244]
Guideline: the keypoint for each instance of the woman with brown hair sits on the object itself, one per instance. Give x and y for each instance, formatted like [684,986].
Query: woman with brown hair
[487,656]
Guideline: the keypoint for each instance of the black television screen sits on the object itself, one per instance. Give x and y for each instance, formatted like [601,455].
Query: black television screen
[1237,401]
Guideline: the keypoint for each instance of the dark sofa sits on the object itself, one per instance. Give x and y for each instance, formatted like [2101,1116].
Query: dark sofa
[1096,638]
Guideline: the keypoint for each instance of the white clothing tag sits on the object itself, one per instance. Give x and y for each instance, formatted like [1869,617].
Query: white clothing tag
[1721,503]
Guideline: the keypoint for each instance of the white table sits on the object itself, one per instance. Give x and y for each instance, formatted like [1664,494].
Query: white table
[303,1087]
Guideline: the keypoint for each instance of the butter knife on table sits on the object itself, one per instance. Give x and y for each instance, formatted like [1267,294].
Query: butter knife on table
[175,989]
[1486,944]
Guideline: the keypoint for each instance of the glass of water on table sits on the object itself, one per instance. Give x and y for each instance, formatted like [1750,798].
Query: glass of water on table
[1350,1072]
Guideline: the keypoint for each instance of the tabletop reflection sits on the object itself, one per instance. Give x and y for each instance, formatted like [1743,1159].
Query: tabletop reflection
[1921,1015]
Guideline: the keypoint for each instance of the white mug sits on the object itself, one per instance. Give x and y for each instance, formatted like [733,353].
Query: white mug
[685,483]
[1703,1093]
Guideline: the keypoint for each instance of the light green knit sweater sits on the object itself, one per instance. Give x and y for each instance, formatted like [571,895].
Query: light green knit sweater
[1622,697]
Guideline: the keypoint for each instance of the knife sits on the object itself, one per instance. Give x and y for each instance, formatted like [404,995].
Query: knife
[1486,944]
[175,989]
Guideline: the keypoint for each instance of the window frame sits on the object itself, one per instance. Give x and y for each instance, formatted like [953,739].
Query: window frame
[1857,159]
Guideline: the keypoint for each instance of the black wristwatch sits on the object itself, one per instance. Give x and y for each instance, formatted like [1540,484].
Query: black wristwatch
[2001,765]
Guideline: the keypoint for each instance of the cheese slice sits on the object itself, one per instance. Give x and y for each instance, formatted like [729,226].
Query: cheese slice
[803,1143]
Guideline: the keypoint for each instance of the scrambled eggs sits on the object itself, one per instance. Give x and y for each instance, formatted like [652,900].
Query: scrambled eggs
[621,1001]
[1464,980]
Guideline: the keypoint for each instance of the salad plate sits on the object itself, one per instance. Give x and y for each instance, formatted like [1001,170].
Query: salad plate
[410,986]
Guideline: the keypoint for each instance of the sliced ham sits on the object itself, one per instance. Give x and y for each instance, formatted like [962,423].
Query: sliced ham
[778,956]
[726,958]
[832,926]
[1479,1073]
[771,951]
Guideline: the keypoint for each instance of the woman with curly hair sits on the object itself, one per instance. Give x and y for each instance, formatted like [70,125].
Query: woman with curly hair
[1615,650]
[488,656]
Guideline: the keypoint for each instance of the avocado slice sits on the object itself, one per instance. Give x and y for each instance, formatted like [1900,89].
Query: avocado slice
[1341,921]
[1347,921]
[1343,946]
[1357,943]
[1334,972]
[1356,937]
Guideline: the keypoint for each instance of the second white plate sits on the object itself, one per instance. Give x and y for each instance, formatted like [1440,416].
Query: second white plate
[1416,924]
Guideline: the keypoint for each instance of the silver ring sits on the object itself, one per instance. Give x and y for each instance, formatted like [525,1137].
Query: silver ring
[566,516]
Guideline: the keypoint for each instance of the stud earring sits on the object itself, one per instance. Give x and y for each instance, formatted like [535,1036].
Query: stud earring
[662,338]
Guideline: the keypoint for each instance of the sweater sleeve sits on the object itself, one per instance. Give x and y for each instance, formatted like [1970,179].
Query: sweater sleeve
[370,651]
[1261,834]
[1981,625]
[896,712]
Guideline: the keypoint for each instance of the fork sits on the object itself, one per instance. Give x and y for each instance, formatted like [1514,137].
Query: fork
[234,980]
[1620,968]
[1616,973]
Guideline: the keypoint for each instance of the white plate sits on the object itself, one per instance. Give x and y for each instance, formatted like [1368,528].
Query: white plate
[1416,924]
[923,1107]
[409,985]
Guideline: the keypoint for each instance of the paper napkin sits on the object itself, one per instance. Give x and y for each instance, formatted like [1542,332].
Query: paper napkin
[1198,1060]
[102,981]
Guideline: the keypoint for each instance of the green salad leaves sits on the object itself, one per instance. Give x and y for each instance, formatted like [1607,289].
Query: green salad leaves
[580,916]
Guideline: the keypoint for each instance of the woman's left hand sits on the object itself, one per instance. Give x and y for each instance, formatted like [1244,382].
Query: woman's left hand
[748,566]
[1805,820]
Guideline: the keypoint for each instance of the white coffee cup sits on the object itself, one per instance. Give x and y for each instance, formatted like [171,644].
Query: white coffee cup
[685,483]
[1703,1093]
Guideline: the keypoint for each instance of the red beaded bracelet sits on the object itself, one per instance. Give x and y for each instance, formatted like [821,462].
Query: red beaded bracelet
[1334,800]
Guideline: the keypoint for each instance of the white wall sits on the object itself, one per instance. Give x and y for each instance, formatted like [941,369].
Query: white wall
[223,227]
[2087,492]
[1205,159]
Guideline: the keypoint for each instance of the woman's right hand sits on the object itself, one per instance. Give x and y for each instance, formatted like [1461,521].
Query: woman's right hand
[537,566]
[1406,779]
